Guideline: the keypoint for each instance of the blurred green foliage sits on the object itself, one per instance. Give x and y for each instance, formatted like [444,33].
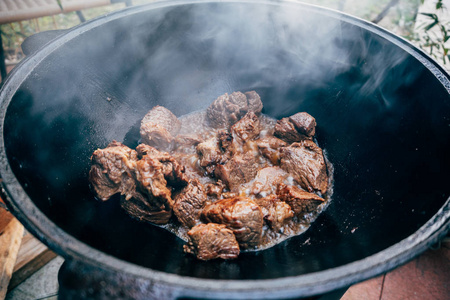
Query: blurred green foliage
[435,36]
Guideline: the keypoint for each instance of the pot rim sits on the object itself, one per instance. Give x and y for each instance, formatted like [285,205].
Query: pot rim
[307,284]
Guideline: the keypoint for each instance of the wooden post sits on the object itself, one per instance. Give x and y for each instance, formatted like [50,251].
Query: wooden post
[32,256]
[10,241]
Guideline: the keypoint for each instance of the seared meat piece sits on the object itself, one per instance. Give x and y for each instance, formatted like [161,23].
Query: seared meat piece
[241,168]
[189,203]
[305,162]
[254,102]
[228,195]
[300,201]
[157,173]
[296,128]
[228,109]
[241,136]
[174,173]
[269,146]
[158,127]
[266,181]
[242,215]
[276,213]
[304,123]
[163,117]
[186,142]
[210,154]
[116,169]
[140,208]
[215,189]
[247,128]
[192,166]
[285,130]
[144,149]
[225,141]
[112,171]
[156,135]
[210,241]
[150,176]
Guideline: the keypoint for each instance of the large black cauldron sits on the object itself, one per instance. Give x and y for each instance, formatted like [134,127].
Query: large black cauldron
[383,113]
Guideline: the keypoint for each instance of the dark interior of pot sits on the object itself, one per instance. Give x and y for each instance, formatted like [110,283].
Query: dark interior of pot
[383,120]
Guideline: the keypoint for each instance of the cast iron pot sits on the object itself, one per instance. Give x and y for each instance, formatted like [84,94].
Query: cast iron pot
[383,113]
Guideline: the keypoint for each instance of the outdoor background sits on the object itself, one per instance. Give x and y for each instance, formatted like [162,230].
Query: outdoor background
[426,23]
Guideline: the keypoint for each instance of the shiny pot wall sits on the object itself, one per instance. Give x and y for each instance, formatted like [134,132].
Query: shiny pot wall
[383,114]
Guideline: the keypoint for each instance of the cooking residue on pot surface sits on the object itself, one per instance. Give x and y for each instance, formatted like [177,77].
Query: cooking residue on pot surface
[225,180]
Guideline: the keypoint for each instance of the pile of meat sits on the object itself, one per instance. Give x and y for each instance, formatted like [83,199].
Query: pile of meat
[227,179]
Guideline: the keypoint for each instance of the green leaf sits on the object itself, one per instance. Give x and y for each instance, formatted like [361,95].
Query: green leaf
[432,16]
[431,25]
[439,5]
[59,4]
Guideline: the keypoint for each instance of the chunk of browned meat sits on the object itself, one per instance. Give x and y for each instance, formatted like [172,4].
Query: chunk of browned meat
[242,215]
[285,130]
[225,141]
[157,174]
[210,154]
[215,189]
[187,142]
[267,180]
[305,162]
[144,149]
[268,146]
[241,137]
[296,128]
[151,181]
[156,135]
[241,168]
[164,117]
[192,166]
[112,171]
[140,208]
[189,203]
[228,109]
[210,241]
[254,102]
[304,123]
[231,146]
[158,127]
[228,195]
[247,128]
[276,213]
[300,201]
[173,171]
